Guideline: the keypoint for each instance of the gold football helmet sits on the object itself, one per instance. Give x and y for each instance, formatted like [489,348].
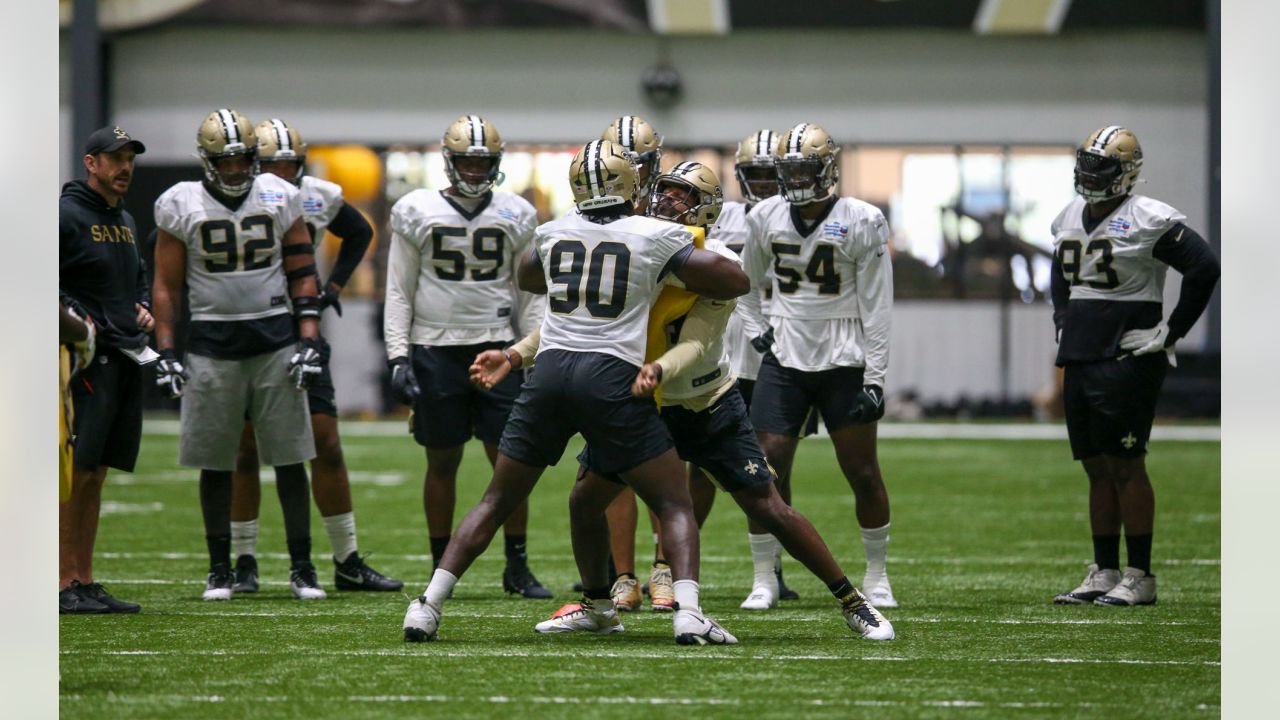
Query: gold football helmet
[1107,164]
[640,139]
[689,194]
[473,138]
[227,134]
[754,165]
[278,142]
[807,164]
[603,174]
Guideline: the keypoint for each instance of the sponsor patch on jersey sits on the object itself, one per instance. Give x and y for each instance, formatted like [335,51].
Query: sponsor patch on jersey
[699,381]
[1120,225]
[312,204]
[277,301]
[835,229]
[511,215]
[504,312]
[271,197]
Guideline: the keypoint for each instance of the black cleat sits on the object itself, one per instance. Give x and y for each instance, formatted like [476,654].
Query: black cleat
[95,591]
[784,592]
[246,574]
[355,574]
[520,581]
[73,601]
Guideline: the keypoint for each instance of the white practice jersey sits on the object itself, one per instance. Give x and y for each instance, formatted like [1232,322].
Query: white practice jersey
[451,271]
[712,370]
[321,201]
[601,281]
[235,268]
[1114,262]
[731,229]
[832,288]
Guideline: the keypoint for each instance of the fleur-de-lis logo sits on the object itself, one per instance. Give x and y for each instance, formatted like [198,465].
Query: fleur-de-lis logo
[751,467]
[1128,441]
[120,133]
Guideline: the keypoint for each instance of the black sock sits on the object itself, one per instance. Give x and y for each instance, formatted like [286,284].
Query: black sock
[438,545]
[514,547]
[299,550]
[1139,549]
[219,549]
[600,593]
[660,561]
[613,569]
[295,501]
[215,505]
[841,588]
[1106,551]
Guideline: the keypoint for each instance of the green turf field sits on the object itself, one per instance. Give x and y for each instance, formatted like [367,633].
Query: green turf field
[984,534]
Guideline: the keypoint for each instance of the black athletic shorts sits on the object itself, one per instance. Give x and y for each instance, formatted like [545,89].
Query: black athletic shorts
[107,397]
[589,393]
[1110,404]
[321,396]
[450,409]
[720,440]
[783,397]
[746,389]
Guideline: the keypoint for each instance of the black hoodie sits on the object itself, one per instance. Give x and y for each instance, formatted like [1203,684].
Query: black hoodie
[100,271]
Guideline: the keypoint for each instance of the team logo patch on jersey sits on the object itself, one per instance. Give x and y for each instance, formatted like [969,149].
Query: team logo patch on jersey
[1119,225]
[312,205]
[271,197]
[511,215]
[835,229]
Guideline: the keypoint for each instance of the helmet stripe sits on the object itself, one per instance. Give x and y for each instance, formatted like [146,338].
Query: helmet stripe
[1105,136]
[230,129]
[283,141]
[762,140]
[477,130]
[793,142]
[591,164]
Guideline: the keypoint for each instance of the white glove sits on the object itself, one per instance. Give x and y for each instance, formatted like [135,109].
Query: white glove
[1150,340]
[83,350]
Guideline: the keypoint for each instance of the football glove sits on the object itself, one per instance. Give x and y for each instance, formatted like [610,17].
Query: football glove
[764,342]
[868,406]
[82,351]
[171,376]
[1150,340]
[403,383]
[305,365]
[329,299]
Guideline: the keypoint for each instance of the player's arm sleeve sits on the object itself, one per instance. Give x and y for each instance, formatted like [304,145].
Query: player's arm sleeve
[704,324]
[1185,251]
[874,272]
[404,264]
[356,234]
[527,347]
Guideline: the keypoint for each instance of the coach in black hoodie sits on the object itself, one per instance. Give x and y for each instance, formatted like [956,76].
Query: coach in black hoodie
[100,277]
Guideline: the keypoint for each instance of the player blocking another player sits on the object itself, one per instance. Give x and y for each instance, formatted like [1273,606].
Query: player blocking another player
[601,269]
[451,294]
[237,245]
[282,152]
[826,336]
[1111,250]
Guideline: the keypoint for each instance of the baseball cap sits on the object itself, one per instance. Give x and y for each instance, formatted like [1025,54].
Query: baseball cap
[110,139]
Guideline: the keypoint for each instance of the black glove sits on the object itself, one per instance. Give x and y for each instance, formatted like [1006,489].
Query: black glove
[329,299]
[305,365]
[403,383]
[170,374]
[868,406]
[763,343]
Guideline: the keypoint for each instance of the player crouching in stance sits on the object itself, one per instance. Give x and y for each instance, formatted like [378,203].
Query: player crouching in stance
[706,415]
[1111,251]
[601,269]
[238,246]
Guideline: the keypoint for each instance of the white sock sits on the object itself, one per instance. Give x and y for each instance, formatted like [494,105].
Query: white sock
[442,582]
[342,534]
[244,538]
[602,605]
[875,542]
[687,594]
[764,550]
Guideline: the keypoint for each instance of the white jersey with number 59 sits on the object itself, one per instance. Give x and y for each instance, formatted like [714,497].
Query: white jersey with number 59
[601,281]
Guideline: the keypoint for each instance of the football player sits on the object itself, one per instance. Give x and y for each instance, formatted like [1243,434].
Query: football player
[451,294]
[283,153]
[238,244]
[698,401]
[601,269]
[825,339]
[1111,250]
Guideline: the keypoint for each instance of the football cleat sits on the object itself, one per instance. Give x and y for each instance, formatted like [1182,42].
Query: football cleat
[1135,588]
[355,574]
[878,591]
[520,581]
[71,601]
[694,628]
[303,582]
[864,619]
[626,593]
[662,594]
[762,597]
[246,574]
[421,621]
[219,585]
[585,617]
[784,592]
[95,591]
[1096,583]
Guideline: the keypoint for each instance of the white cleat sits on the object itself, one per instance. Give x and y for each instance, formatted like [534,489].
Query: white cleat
[878,592]
[586,617]
[694,628]
[762,597]
[1136,587]
[1096,584]
[421,621]
[219,585]
[304,584]
[865,620]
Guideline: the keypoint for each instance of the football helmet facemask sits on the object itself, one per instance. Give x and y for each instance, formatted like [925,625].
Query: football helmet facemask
[473,138]
[754,165]
[689,194]
[639,138]
[603,174]
[807,164]
[226,134]
[1107,164]
[280,143]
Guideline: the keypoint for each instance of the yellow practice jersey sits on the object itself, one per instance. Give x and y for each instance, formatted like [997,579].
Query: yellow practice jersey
[672,304]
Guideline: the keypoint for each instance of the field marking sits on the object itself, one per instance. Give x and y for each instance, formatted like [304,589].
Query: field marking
[355,477]
[111,507]
[894,430]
